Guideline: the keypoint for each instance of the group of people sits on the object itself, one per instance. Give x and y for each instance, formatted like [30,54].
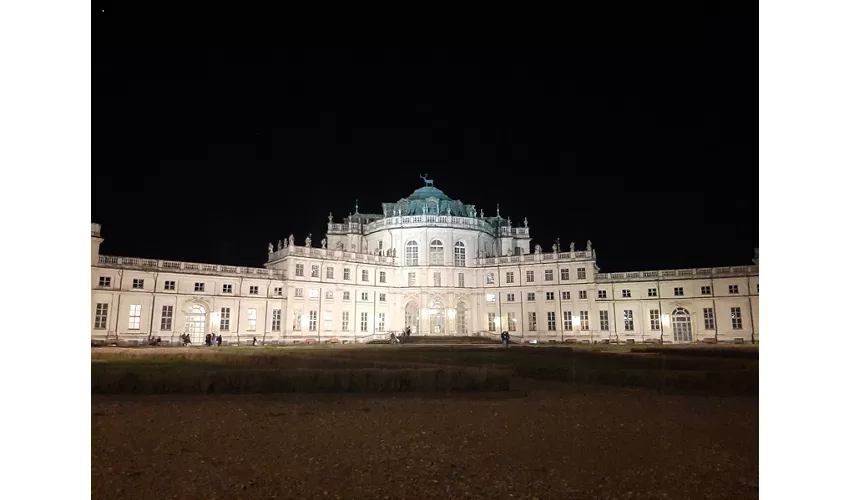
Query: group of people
[400,338]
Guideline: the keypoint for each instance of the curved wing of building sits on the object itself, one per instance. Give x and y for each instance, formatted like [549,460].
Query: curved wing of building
[427,262]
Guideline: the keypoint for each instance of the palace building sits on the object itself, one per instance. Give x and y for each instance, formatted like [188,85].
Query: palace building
[428,262]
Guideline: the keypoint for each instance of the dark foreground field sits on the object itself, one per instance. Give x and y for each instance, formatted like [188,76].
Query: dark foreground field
[540,439]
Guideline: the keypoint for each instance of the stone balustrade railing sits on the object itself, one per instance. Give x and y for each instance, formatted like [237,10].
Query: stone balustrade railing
[95,230]
[189,267]
[431,220]
[325,253]
[705,272]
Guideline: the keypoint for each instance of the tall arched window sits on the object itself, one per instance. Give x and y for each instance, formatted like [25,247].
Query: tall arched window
[460,255]
[436,254]
[411,254]
[461,318]
[682,331]
[411,317]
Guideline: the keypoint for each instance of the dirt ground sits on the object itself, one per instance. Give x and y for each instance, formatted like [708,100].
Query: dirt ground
[545,441]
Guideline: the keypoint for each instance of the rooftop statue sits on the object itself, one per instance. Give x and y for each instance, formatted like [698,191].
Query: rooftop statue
[340,246]
[538,249]
[428,182]
[572,246]
[308,240]
[284,243]
[279,244]
[589,246]
[525,222]
[271,248]
[291,240]
[324,243]
[330,218]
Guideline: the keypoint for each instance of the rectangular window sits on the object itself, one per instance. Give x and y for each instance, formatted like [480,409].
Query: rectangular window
[509,297]
[652,292]
[491,322]
[364,275]
[411,279]
[708,316]
[364,322]
[346,274]
[382,321]
[382,297]
[299,292]
[582,294]
[601,294]
[346,295]
[252,320]
[278,291]
[581,274]
[314,293]
[654,319]
[565,295]
[437,279]
[329,294]
[529,297]
[627,293]
[629,321]
[170,285]
[275,320]
[511,322]
[224,322]
[312,320]
[532,321]
[490,278]
[364,295]
[568,320]
[138,283]
[737,323]
[345,321]
[299,269]
[679,291]
[104,282]
[135,316]
[584,318]
[314,271]
[167,317]
[565,275]
[460,280]
[550,321]
[253,290]
[733,288]
[226,288]
[296,320]
[509,277]
[382,277]
[550,295]
[329,273]
[548,275]
[529,276]
[100,314]
[603,321]
[491,297]
[329,317]
[705,290]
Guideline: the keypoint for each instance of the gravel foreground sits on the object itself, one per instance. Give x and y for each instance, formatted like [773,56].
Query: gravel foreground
[544,441]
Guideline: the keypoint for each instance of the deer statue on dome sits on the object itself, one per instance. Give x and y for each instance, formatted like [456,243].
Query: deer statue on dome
[428,182]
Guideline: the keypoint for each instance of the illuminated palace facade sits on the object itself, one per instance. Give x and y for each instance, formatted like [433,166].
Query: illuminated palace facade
[428,262]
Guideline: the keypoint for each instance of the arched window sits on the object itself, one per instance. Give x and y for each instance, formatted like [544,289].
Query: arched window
[196,323]
[460,255]
[461,318]
[438,318]
[682,331]
[436,254]
[411,254]
[411,317]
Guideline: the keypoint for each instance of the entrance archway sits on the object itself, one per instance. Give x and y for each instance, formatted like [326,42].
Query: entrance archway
[411,317]
[438,319]
[196,324]
[681,321]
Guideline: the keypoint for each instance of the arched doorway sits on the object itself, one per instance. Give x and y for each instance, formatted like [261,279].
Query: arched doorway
[411,317]
[196,323]
[460,315]
[681,321]
[438,319]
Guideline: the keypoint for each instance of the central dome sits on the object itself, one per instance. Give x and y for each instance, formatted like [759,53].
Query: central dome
[428,192]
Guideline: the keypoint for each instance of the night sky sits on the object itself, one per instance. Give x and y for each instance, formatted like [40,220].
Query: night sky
[208,155]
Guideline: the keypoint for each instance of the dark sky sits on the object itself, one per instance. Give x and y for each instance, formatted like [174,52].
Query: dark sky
[208,154]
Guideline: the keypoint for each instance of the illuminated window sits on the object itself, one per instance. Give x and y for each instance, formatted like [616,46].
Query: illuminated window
[411,254]
[491,297]
[511,321]
[532,321]
[314,271]
[329,294]
[100,315]
[491,322]
[382,321]
[135,316]
[314,293]
[329,316]
[490,278]
[296,320]
[312,320]
[628,320]
[252,320]
[460,255]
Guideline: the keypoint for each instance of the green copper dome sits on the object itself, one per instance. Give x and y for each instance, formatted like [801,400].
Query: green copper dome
[428,192]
